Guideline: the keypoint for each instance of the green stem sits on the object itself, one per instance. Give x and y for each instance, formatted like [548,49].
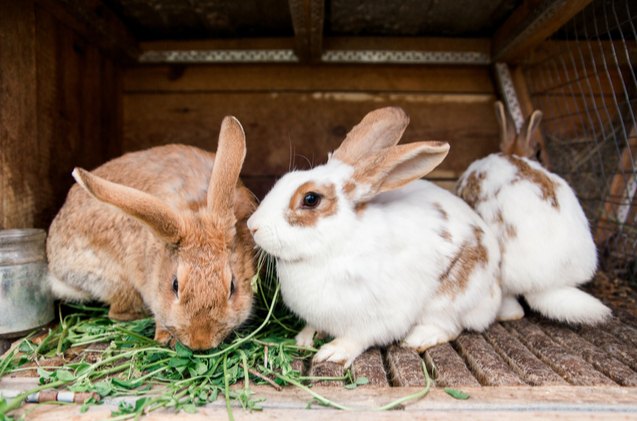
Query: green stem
[17,402]
[413,396]
[226,389]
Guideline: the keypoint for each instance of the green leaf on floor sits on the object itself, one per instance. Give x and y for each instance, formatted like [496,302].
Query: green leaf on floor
[456,394]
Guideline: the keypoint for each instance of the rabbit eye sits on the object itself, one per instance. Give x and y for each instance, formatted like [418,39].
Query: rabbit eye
[311,200]
[176,286]
[232,286]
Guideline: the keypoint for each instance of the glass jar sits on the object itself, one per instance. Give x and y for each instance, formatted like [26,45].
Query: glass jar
[25,297]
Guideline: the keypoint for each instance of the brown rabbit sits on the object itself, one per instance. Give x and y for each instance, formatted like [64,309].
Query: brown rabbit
[167,234]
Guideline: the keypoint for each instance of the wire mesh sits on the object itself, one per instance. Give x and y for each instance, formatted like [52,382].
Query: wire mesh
[584,80]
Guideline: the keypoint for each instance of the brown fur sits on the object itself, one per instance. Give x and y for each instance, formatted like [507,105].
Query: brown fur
[443,213]
[471,255]
[446,235]
[300,216]
[509,230]
[100,250]
[539,178]
[472,190]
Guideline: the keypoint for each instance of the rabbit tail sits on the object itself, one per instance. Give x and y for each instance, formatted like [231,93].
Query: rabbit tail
[569,305]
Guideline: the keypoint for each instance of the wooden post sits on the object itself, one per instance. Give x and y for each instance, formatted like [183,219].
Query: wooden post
[307,19]
[18,122]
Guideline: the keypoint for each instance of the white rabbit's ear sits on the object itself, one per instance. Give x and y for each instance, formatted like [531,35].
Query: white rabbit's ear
[379,129]
[146,208]
[507,128]
[231,152]
[526,144]
[394,167]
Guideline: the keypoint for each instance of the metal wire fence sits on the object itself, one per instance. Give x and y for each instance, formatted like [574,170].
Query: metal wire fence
[584,80]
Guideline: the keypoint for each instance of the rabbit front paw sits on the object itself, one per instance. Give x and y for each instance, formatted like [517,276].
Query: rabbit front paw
[340,350]
[305,338]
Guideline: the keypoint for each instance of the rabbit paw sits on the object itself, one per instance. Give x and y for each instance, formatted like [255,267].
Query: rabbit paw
[423,337]
[341,351]
[164,337]
[305,338]
[510,309]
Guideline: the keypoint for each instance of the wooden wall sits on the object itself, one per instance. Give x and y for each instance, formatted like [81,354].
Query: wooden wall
[60,106]
[294,114]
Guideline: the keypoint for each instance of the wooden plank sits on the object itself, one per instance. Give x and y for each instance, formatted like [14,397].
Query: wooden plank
[530,24]
[286,127]
[615,347]
[405,367]
[307,20]
[486,403]
[524,363]
[303,78]
[327,369]
[486,365]
[571,367]
[97,23]
[261,43]
[370,364]
[448,368]
[602,361]
[18,119]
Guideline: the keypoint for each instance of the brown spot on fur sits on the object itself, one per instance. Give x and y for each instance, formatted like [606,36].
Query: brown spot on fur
[446,235]
[472,253]
[509,230]
[472,190]
[348,188]
[307,217]
[360,208]
[443,213]
[539,178]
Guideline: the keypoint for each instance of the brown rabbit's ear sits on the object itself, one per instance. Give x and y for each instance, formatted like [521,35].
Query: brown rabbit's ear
[231,152]
[507,128]
[379,129]
[392,168]
[145,207]
[526,143]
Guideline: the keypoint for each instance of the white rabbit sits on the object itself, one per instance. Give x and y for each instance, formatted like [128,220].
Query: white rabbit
[545,241]
[370,255]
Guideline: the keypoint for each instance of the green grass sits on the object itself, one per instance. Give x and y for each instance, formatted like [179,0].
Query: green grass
[133,364]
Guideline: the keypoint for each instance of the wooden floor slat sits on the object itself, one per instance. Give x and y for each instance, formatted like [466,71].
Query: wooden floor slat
[327,369]
[520,359]
[571,367]
[370,364]
[602,361]
[487,366]
[448,367]
[621,331]
[621,350]
[405,367]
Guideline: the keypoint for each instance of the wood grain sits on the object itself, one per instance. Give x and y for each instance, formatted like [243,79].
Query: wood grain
[370,364]
[405,367]
[486,365]
[448,368]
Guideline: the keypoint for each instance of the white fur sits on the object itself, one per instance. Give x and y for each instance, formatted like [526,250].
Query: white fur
[551,249]
[372,278]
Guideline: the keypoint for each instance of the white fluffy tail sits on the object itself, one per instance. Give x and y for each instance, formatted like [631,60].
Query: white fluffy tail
[570,305]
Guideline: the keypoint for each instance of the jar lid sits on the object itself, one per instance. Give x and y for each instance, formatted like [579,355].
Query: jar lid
[19,246]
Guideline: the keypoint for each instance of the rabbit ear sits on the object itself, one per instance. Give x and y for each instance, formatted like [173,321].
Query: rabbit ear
[379,129]
[145,207]
[526,143]
[231,152]
[507,128]
[392,168]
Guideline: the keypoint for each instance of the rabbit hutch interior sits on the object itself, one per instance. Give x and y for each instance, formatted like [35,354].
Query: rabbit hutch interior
[83,82]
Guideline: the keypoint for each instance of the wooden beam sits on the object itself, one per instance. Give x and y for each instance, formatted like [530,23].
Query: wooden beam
[530,24]
[307,19]
[97,22]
